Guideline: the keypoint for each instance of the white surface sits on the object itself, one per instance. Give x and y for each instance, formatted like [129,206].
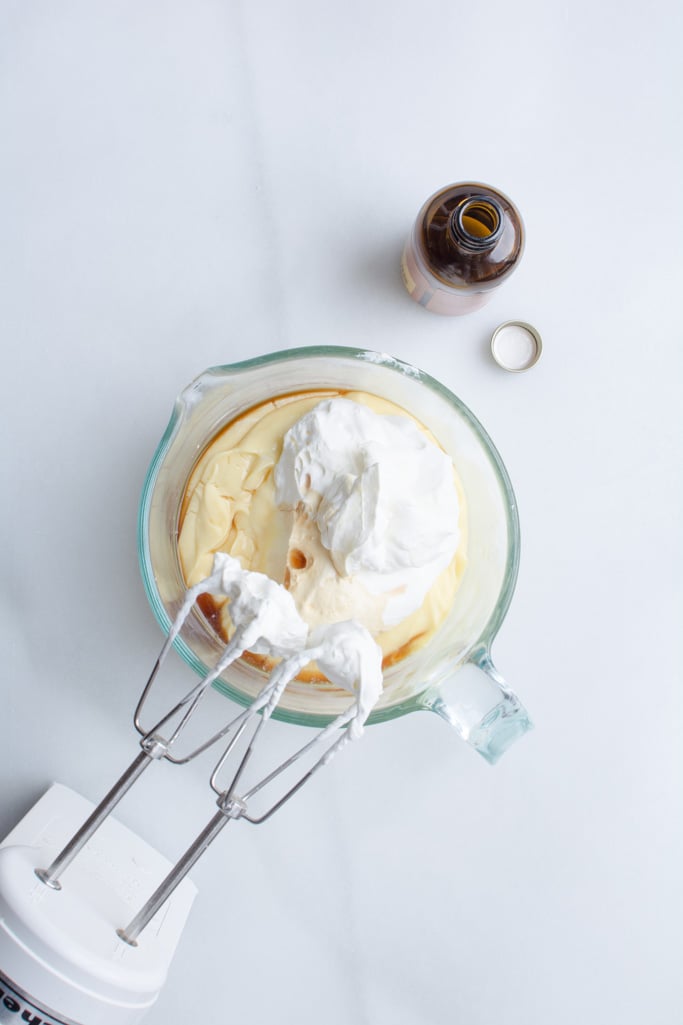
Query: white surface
[185,184]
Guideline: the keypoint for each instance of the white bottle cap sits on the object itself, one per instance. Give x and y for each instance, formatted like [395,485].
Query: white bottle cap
[516,346]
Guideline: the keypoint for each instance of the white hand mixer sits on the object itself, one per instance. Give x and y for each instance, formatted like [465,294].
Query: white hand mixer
[69,953]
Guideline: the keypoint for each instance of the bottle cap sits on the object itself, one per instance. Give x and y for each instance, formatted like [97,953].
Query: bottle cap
[516,346]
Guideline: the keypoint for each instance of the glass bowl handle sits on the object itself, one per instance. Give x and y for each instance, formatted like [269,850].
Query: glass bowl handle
[480,706]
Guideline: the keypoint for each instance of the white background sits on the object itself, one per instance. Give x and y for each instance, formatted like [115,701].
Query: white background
[188,184]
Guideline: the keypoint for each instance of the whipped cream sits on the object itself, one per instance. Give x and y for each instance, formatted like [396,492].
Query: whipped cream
[266,619]
[266,622]
[351,659]
[380,495]
[263,613]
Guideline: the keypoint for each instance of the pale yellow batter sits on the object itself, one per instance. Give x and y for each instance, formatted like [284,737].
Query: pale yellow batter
[230,506]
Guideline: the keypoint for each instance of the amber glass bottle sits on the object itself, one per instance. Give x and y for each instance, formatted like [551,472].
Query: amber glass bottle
[466,240]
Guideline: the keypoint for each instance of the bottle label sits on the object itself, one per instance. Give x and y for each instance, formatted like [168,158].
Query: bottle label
[408,279]
[15,1007]
[415,281]
[426,290]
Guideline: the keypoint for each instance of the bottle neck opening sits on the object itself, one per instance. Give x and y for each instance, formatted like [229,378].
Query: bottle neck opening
[477,223]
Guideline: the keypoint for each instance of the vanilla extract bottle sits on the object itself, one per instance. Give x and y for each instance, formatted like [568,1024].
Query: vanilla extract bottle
[466,240]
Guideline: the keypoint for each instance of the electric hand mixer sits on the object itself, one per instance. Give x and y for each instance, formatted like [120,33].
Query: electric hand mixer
[69,952]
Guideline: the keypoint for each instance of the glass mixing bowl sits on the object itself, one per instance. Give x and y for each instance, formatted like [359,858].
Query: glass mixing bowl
[452,675]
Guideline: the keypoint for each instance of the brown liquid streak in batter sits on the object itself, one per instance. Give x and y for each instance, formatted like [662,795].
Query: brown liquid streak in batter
[210,606]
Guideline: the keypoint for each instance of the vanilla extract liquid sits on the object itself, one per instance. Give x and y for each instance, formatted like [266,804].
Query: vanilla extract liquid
[466,240]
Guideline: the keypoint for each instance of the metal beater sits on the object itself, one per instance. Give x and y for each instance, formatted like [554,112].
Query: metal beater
[332,647]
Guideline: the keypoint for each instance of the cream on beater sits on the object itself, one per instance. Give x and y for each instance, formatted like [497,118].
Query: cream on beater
[265,620]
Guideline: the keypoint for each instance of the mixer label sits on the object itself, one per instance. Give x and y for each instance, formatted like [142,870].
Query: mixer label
[16,1007]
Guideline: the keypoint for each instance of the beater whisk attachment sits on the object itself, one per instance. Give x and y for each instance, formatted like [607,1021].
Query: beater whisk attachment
[266,622]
